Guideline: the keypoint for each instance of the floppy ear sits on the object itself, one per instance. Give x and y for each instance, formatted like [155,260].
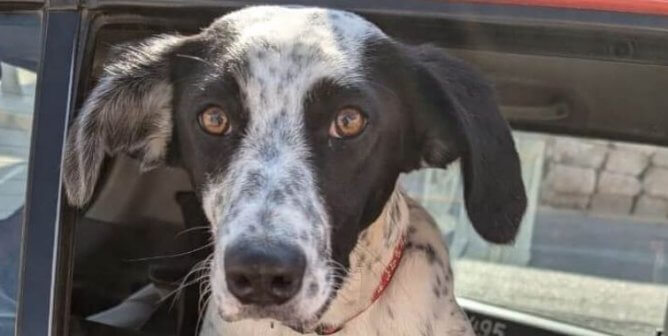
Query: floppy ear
[129,111]
[458,117]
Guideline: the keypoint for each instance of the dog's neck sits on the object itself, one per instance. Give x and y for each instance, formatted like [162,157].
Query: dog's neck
[406,307]
[375,250]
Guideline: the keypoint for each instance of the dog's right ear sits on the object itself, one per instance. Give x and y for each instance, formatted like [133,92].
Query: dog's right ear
[129,111]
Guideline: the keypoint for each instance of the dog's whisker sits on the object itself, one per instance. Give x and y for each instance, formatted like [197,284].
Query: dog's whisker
[193,229]
[205,291]
[198,59]
[169,256]
[174,294]
[202,267]
[201,314]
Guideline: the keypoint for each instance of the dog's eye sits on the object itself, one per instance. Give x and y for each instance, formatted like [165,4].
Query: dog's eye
[214,120]
[348,122]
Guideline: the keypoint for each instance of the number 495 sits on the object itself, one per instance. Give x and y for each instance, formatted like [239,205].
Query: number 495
[487,327]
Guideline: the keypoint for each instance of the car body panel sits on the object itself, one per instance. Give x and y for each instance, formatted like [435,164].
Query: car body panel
[47,260]
[625,6]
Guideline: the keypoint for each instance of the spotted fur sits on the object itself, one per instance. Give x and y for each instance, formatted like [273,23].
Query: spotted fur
[407,307]
[270,174]
[279,179]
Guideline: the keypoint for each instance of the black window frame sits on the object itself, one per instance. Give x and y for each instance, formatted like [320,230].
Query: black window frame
[41,219]
[42,213]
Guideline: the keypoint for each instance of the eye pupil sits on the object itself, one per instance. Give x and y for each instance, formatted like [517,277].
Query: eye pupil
[213,120]
[349,119]
[348,123]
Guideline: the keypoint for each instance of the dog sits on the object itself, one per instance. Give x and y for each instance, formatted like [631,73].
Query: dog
[294,124]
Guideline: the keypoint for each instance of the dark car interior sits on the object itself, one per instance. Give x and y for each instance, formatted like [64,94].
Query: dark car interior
[137,243]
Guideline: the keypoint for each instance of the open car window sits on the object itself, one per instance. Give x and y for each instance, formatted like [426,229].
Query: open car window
[19,54]
[593,245]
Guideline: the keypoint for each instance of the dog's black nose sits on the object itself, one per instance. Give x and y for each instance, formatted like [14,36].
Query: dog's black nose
[264,275]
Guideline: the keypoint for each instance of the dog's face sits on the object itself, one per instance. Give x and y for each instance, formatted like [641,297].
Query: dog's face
[294,124]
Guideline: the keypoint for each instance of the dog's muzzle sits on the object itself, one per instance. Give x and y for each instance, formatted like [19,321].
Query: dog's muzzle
[264,274]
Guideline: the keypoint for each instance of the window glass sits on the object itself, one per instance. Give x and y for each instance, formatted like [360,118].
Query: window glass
[592,247]
[19,55]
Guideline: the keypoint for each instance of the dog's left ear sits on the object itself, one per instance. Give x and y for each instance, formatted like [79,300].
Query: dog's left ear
[456,116]
[128,111]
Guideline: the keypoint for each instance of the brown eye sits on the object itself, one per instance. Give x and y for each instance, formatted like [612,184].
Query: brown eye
[214,120]
[348,122]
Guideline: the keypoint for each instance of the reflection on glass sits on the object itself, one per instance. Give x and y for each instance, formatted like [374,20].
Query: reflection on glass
[19,41]
[593,245]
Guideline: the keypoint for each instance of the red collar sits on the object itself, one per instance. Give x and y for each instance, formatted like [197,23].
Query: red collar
[385,279]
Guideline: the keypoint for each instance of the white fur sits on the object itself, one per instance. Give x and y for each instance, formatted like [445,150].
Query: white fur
[287,51]
[408,305]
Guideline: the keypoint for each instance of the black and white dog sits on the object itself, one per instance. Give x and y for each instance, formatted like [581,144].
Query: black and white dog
[294,124]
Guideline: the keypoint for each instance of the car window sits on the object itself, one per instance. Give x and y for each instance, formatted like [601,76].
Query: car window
[593,244]
[19,54]
[592,247]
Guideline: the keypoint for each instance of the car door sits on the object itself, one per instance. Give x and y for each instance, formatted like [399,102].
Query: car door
[577,85]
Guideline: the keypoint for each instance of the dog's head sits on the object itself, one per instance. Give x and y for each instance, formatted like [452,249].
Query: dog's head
[294,124]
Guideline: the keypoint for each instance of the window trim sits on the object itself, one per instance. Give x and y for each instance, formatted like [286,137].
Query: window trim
[40,251]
